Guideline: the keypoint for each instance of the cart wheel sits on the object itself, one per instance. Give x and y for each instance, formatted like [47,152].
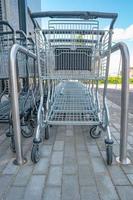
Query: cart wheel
[35,153]
[12,145]
[32,123]
[109,154]
[27,130]
[94,133]
[46,133]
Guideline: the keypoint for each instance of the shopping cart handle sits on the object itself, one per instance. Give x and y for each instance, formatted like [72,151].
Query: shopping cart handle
[74,14]
[77,14]
[6,23]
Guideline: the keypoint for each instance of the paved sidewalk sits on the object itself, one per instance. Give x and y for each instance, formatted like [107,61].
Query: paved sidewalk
[72,167]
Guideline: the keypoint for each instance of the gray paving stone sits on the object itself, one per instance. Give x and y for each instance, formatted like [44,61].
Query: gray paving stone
[46,150]
[69,149]
[11,168]
[125,192]
[93,150]
[68,160]
[105,187]
[130,139]
[58,146]
[23,176]
[112,129]
[35,188]
[69,133]
[51,139]
[130,177]
[60,134]
[116,125]
[4,147]
[89,193]
[16,193]
[80,143]
[83,157]
[116,135]
[57,158]
[55,176]
[128,169]
[42,166]
[52,193]
[81,147]
[116,149]
[117,175]
[61,129]
[101,145]
[2,138]
[69,141]
[4,160]
[86,175]
[98,165]
[5,182]
[70,169]
[70,188]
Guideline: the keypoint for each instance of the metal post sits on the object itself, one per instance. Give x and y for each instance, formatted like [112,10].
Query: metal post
[123,159]
[14,100]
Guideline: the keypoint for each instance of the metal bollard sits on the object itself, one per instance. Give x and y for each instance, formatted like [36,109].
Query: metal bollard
[123,159]
[20,160]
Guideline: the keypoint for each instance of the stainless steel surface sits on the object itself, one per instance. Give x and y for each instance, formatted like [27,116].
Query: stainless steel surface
[40,113]
[124,100]
[74,14]
[14,98]
[73,105]
[86,15]
[76,57]
[69,66]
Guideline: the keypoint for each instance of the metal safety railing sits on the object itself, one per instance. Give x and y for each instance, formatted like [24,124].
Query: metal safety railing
[122,47]
[123,159]
[14,99]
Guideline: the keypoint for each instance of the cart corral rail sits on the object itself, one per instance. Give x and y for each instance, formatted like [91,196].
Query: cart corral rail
[72,55]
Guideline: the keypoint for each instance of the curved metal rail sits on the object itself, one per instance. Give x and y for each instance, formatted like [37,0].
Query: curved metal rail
[14,99]
[124,100]
[122,47]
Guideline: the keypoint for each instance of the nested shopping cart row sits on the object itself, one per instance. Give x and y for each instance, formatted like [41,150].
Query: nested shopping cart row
[27,78]
[73,54]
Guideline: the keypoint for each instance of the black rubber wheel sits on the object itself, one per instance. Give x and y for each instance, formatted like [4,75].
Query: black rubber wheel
[35,153]
[95,134]
[12,145]
[109,154]
[27,130]
[32,123]
[46,133]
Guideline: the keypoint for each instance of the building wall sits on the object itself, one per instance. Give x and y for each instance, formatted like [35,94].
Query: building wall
[30,25]
[10,12]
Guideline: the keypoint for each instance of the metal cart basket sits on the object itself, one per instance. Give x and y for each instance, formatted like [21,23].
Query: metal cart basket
[74,62]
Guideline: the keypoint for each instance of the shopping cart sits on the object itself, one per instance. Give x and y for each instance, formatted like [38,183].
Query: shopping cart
[27,86]
[76,58]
